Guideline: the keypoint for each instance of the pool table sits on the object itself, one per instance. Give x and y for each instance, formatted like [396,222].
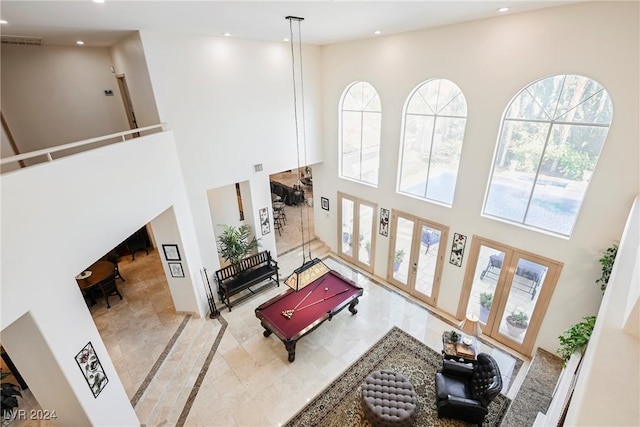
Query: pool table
[292,315]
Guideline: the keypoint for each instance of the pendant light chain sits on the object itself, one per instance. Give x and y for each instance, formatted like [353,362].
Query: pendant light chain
[295,115]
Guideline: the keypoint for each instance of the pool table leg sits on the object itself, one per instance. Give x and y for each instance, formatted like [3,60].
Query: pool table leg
[266,331]
[291,349]
[352,306]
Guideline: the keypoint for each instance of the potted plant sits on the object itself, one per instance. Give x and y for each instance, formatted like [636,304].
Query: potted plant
[234,243]
[517,322]
[367,247]
[486,300]
[453,336]
[398,258]
[607,260]
[9,399]
[575,338]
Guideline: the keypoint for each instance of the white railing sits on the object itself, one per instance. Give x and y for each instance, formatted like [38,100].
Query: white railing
[49,151]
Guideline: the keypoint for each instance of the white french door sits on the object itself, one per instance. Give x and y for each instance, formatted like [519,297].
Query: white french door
[416,255]
[357,219]
[509,289]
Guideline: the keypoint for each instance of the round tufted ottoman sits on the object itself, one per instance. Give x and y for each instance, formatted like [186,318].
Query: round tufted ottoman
[388,399]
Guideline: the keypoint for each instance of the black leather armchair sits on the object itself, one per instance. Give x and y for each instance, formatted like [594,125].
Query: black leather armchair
[464,391]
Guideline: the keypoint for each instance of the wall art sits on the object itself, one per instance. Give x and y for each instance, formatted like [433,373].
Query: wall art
[176,269]
[92,369]
[171,252]
[457,249]
[384,222]
[264,221]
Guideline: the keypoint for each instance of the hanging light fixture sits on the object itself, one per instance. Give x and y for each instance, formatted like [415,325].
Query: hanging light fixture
[312,268]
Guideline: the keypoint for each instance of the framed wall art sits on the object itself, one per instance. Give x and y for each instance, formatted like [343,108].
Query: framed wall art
[91,368]
[324,202]
[384,222]
[176,269]
[171,252]
[457,249]
[264,221]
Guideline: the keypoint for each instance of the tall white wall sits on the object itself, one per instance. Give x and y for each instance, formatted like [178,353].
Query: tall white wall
[52,95]
[230,105]
[610,373]
[491,60]
[57,219]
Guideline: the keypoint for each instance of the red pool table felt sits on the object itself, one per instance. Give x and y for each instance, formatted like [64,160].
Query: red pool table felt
[270,313]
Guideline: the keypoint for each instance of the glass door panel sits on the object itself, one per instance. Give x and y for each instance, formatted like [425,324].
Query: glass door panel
[485,280]
[427,260]
[402,249]
[365,227]
[347,227]
[524,291]
[356,234]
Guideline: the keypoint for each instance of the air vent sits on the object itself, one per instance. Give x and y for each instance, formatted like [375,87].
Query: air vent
[23,40]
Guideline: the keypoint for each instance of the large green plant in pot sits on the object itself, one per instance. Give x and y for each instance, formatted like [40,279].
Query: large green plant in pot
[575,338]
[234,243]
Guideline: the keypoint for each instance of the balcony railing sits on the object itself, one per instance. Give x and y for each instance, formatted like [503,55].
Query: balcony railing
[47,153]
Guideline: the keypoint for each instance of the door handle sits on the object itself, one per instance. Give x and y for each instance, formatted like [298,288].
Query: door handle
[415,267]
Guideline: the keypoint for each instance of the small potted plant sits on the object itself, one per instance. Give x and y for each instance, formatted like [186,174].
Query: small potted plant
[9,391]
[517,322]
[398,258]
[486,301]
[454,336]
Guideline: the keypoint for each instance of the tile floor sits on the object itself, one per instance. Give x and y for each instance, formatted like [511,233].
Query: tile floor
[224,372]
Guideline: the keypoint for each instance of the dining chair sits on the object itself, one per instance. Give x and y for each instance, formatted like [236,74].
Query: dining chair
[108,287]
[113,258]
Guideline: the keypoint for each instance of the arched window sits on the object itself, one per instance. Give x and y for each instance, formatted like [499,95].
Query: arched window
[360,117]
[551,137]
[435,117]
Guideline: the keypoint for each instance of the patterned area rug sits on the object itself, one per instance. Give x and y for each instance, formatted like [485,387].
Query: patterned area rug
[339,403]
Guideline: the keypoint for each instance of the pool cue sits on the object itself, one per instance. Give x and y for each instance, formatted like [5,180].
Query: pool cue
[289,313]
[323,299]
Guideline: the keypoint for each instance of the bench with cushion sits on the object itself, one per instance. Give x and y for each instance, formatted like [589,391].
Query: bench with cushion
[241,276]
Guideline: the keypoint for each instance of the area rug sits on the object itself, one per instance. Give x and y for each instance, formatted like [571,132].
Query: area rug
[339,403]
[536,391]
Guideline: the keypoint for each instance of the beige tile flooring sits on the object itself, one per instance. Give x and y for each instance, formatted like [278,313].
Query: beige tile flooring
[224,372]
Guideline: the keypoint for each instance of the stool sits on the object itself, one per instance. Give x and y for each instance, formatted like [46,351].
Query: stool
[389,399]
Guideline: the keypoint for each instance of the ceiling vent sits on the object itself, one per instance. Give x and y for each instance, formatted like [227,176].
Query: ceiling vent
[23,40]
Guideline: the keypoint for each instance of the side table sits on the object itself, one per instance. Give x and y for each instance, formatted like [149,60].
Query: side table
[458,350]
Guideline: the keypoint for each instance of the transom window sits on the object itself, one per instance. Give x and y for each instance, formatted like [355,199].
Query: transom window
[434,122]
[551,137]
[360,117]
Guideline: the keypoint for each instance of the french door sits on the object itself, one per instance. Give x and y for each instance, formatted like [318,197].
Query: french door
[509,289]
[356,230]
[416,255]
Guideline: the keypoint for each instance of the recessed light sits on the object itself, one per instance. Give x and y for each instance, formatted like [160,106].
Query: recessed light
[377,32]
[98,1]
[79,42]
[2,21]
[285,40]
[226,34]
[503,9]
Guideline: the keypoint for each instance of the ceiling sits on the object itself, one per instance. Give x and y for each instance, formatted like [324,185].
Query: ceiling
[326,22]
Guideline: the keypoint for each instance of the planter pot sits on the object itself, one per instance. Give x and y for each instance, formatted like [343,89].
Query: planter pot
[515,331]
[345,237]
[396,266]
[484,314]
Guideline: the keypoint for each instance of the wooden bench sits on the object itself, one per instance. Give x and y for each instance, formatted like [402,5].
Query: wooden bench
[252,270]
